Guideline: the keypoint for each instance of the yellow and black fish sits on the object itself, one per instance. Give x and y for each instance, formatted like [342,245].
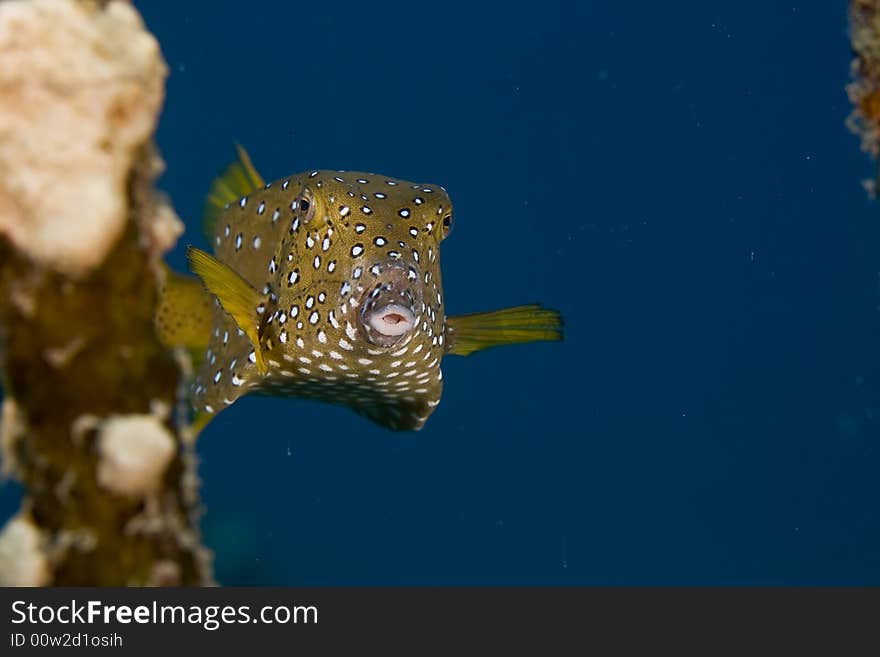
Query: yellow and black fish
[326,285]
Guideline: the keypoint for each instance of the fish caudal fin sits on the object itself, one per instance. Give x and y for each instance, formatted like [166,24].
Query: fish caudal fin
[184,313]
[474,332]
[238,179]
[235,295]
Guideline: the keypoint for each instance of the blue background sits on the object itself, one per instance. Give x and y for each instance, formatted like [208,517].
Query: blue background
[676,178]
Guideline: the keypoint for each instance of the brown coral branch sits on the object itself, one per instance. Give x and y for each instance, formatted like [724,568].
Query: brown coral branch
[864,90]
[88,420]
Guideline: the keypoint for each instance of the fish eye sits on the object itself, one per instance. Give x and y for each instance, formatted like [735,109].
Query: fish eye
[306,204]
[447,225]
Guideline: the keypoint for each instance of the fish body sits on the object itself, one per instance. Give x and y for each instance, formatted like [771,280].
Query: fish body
[327,285]
[329,252]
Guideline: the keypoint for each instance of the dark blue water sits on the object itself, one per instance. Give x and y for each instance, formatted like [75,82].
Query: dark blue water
[677,179]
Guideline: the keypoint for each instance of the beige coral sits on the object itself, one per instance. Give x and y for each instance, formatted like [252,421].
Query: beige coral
[12,430]
[23,560]
[134,452]
[80,90]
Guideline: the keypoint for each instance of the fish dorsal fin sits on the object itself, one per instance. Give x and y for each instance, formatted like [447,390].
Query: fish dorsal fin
[474,332]
[235,295]
[238,179]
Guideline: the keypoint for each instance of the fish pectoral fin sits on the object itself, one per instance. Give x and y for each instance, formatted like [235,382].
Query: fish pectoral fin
[236,295]
[238,179]
[476,331]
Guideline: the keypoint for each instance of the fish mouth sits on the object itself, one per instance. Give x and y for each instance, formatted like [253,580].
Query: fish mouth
[388,308]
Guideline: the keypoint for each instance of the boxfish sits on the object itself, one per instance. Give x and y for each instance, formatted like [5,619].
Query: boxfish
[326,285]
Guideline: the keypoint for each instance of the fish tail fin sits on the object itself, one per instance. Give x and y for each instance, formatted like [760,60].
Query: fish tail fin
[476,331]
[238,179]
[236,295]
[184,313]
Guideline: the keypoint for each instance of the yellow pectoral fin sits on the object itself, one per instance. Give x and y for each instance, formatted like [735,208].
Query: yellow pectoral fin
[469,333]
[238,179]
[235,295]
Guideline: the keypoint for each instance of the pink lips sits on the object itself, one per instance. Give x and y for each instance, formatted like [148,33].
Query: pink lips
[391,320]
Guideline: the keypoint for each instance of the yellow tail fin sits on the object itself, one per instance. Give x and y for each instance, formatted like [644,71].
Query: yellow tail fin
[238,179]
[234,293]
[469,333]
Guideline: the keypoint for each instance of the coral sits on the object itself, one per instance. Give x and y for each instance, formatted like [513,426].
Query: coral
[80,90]
[864,90]
[134,451]
[93,422]
[23,559]
[12,429]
